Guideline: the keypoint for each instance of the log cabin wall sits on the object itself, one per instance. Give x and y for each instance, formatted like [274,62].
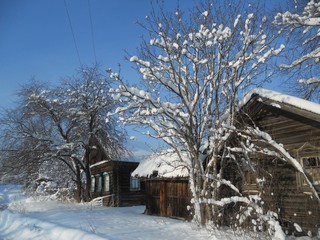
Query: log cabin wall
[120,192]
[299,132]
[96,173]
[282,194]
[128,193]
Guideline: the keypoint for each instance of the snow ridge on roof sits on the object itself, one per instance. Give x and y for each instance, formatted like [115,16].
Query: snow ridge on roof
[99,163]
[282,98]
[167,164]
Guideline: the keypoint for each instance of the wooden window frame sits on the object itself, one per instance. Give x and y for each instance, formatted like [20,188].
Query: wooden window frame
[250,185]
[106,182]
[313,171]
[99,183]
[93,184]
[134,183]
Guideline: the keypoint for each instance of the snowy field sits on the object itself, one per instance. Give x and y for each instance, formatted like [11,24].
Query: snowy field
[35,218]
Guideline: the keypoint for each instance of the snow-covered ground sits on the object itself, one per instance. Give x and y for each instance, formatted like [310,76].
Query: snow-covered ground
[34,218]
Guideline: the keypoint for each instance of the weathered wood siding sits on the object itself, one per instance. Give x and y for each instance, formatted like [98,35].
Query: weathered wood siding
[152,197]
[168,197]
[284,196]
[283,192]
[109,196]
[120,193]
[126,195]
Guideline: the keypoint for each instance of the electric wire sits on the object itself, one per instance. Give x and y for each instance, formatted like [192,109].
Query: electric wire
[92,35]
[73,36]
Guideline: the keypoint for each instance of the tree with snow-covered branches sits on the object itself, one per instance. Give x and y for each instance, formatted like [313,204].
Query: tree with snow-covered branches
[72,121]
[25,140]
[194,69]
[304,24]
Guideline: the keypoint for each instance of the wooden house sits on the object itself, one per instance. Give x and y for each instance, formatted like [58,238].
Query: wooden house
[166,185]
[111,180]
[290,121]
[294,123]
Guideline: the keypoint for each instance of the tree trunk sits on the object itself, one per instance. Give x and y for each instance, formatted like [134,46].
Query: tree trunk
[88,182]
[198,212]
[79,185]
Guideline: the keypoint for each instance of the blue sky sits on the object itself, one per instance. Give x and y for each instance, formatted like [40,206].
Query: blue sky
[36,40]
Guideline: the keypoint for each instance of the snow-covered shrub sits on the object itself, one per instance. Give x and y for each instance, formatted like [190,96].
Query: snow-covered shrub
[253,216]
[64,194]
[51,189]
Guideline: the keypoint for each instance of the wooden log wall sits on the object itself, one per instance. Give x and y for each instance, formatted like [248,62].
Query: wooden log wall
[283,192]
[120,193]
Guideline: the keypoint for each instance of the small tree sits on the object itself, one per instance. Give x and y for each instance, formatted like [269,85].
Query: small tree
[304,25]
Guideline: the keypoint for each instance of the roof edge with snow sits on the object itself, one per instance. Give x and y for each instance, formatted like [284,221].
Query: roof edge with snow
[162,165]
[282,100]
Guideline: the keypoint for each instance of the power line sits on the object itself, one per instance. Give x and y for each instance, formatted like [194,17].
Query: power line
[92,35]
[74,38]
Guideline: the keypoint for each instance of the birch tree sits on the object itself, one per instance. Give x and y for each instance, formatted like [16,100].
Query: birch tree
[194,68]
[305,26]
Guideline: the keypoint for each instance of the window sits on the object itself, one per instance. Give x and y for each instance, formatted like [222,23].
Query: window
[134,183]
[250,182]
[106,182]
[93,183]
[311,162]
[250,178]
[99,187]
[312,167]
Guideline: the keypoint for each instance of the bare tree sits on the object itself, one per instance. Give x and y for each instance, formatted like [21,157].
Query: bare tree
[25,140]
[303,23]
[72,120]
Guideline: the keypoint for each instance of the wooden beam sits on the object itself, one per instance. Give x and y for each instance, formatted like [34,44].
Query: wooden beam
[163,198]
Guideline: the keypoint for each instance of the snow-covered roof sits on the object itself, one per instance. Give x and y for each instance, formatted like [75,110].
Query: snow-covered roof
[282,99]
[167,164]
[121,160]
[99,163]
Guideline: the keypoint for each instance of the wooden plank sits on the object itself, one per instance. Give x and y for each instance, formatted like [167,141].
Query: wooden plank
[294,131]
[299,140]
[163,199]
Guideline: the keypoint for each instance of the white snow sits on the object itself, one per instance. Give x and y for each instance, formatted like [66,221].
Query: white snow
[43,218]
[277,97]
[99,163]
[166,163]
[297,227]
[205,13]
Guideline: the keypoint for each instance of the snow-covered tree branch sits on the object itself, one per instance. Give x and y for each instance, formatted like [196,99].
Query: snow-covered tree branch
[306,23]
[63,124]
[193,76]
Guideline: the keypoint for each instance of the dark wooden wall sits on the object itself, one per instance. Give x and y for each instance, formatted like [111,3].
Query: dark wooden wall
[99,170]
[168,197]
[283,192]
[120,193]
[283,195]
[125,195]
